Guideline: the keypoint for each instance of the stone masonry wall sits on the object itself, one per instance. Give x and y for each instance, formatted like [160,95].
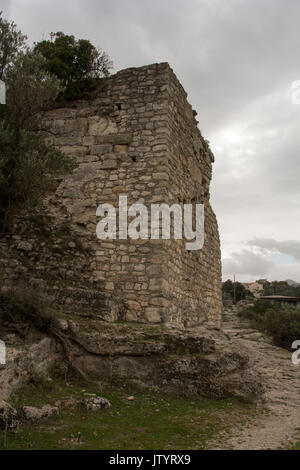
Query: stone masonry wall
[194,275]
[138,137]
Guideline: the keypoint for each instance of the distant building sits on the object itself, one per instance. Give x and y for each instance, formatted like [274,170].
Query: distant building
[284,300]
[254,287]
[2,93]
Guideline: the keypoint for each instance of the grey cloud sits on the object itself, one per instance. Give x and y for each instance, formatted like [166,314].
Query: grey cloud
[237,60]
[5,6]
[225,53]
[287,247]
[248,263]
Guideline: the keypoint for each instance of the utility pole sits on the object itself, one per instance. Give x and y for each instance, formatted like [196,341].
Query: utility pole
[234,290]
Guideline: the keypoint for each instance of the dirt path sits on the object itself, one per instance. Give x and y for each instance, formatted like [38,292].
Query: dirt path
[278,428]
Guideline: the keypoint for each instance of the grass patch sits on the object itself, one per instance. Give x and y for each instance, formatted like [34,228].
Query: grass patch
[151,421]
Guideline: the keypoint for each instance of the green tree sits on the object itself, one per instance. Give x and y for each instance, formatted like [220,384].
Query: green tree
[227,289]
[30,89]
[75,62]
[235,291]
[26,161]
[280,288]
[11,41]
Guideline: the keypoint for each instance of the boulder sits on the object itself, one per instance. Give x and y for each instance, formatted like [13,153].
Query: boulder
[35,414]
[25,246]
[96,403]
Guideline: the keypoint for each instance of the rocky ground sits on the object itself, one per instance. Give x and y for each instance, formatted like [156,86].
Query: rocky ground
[281,380]
[236,362]
[198,362]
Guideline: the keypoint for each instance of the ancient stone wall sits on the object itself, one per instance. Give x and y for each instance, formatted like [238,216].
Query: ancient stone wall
[138,137]
[194,275]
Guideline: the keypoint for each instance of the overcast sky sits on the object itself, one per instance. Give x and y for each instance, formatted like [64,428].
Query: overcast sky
[237,59]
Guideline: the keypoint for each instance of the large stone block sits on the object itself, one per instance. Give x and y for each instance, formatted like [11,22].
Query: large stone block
[102,126]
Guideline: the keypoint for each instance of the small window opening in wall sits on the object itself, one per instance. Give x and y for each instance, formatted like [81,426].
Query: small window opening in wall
[119,106]
[133,159]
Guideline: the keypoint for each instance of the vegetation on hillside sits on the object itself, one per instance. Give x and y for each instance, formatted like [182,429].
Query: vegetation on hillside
[281,323]
[279,288]
[237,291]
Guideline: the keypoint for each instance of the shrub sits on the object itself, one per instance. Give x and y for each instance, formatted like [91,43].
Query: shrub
[281,323]
[26,164]
[18,307]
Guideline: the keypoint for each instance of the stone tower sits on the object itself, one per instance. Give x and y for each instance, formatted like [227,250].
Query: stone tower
[138,136]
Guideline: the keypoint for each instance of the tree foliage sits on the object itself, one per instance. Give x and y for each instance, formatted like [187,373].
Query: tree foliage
[235,292]
[30,89]
[26,161]
[279,288]
[11,41]
[75,62]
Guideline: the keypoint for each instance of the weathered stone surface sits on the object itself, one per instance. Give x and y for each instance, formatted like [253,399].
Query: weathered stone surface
[35,414]
[117,139]
[153,315]
[194,362]
[121,148]
[101,149]
[21,359]
[199,362]
[101,126]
